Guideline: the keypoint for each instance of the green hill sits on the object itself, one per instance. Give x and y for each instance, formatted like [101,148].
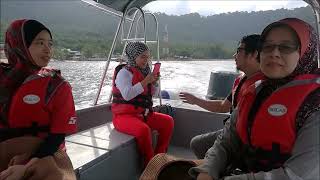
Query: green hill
[78,26]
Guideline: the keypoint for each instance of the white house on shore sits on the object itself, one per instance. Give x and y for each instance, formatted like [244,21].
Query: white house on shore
[74,55]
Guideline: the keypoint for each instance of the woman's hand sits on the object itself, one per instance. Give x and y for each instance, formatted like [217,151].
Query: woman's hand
[19,159]
[15,172]
[36,169]
[188,98]
[204,176]
[33,160]
[150,78]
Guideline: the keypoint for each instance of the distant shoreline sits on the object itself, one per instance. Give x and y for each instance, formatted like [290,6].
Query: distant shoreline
[54,60]
[156,60]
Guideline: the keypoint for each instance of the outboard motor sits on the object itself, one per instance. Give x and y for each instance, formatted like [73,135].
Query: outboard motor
[220,84]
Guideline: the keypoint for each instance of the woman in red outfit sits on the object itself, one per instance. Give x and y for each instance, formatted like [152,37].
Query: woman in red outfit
[34,100]
[133,86]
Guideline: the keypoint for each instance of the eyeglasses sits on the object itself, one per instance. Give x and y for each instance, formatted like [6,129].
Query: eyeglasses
[239,49]
[285,48]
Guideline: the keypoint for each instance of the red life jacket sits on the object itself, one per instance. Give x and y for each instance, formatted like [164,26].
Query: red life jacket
[242,83]
[270,137]
[30,102]
[136,105]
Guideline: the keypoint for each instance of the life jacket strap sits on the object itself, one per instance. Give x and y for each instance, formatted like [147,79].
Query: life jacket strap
[263,160]
[34,130]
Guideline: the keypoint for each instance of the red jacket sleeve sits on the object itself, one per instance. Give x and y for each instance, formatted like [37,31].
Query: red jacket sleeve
[61,107]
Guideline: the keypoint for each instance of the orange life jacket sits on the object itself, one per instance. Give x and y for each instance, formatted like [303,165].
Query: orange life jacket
[28,114]
[136,105]
[270,136]
[241,83]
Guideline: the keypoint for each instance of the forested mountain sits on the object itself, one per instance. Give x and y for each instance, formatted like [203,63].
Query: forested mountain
[78,26]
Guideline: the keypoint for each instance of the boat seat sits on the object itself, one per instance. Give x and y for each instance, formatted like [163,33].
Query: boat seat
[104,153]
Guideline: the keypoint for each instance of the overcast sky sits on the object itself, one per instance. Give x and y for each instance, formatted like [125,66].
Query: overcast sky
[210,7]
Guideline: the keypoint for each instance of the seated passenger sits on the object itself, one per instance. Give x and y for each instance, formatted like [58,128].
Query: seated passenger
[247,60]
[133,85]
[36,104]
[275,132]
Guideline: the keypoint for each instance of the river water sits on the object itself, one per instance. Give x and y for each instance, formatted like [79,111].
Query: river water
[176,76]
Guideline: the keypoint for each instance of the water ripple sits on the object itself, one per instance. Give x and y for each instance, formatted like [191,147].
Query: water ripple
[190,76]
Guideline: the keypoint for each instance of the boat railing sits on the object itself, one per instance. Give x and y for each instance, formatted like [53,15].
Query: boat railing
[317,18]
[128,39]
[121,25]
[144,39]
[130,7]
[157,33]
[103,9]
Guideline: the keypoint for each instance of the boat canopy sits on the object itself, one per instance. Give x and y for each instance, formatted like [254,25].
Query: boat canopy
[123,4]
[127,4]
[315,4]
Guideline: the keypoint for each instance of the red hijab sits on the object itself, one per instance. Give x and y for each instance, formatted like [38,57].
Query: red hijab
[20,63]
[308,64]
[308,41]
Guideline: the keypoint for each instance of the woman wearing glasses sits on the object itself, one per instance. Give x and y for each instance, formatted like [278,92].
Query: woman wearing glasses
[275,132]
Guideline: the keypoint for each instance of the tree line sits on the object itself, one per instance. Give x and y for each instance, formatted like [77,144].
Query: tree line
[91,32]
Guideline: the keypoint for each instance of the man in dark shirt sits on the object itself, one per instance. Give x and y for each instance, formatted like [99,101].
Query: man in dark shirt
[246,58]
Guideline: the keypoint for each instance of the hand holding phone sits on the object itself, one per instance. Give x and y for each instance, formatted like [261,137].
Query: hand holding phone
[156,69]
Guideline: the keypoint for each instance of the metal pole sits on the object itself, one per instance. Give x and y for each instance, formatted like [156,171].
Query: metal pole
[158,53]
[111,50]
[128,35]
[158,46]
[108,62]
[129,31]
[144,25]
[317,17]
[157,33]
[124,15]
[94,4]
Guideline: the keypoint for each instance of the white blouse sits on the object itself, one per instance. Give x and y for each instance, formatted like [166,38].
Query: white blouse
[124,84]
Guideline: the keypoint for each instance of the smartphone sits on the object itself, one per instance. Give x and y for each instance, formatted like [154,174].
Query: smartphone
[156,68]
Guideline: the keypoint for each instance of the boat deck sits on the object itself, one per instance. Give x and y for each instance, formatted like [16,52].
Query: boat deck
[181,152]
[98,151]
